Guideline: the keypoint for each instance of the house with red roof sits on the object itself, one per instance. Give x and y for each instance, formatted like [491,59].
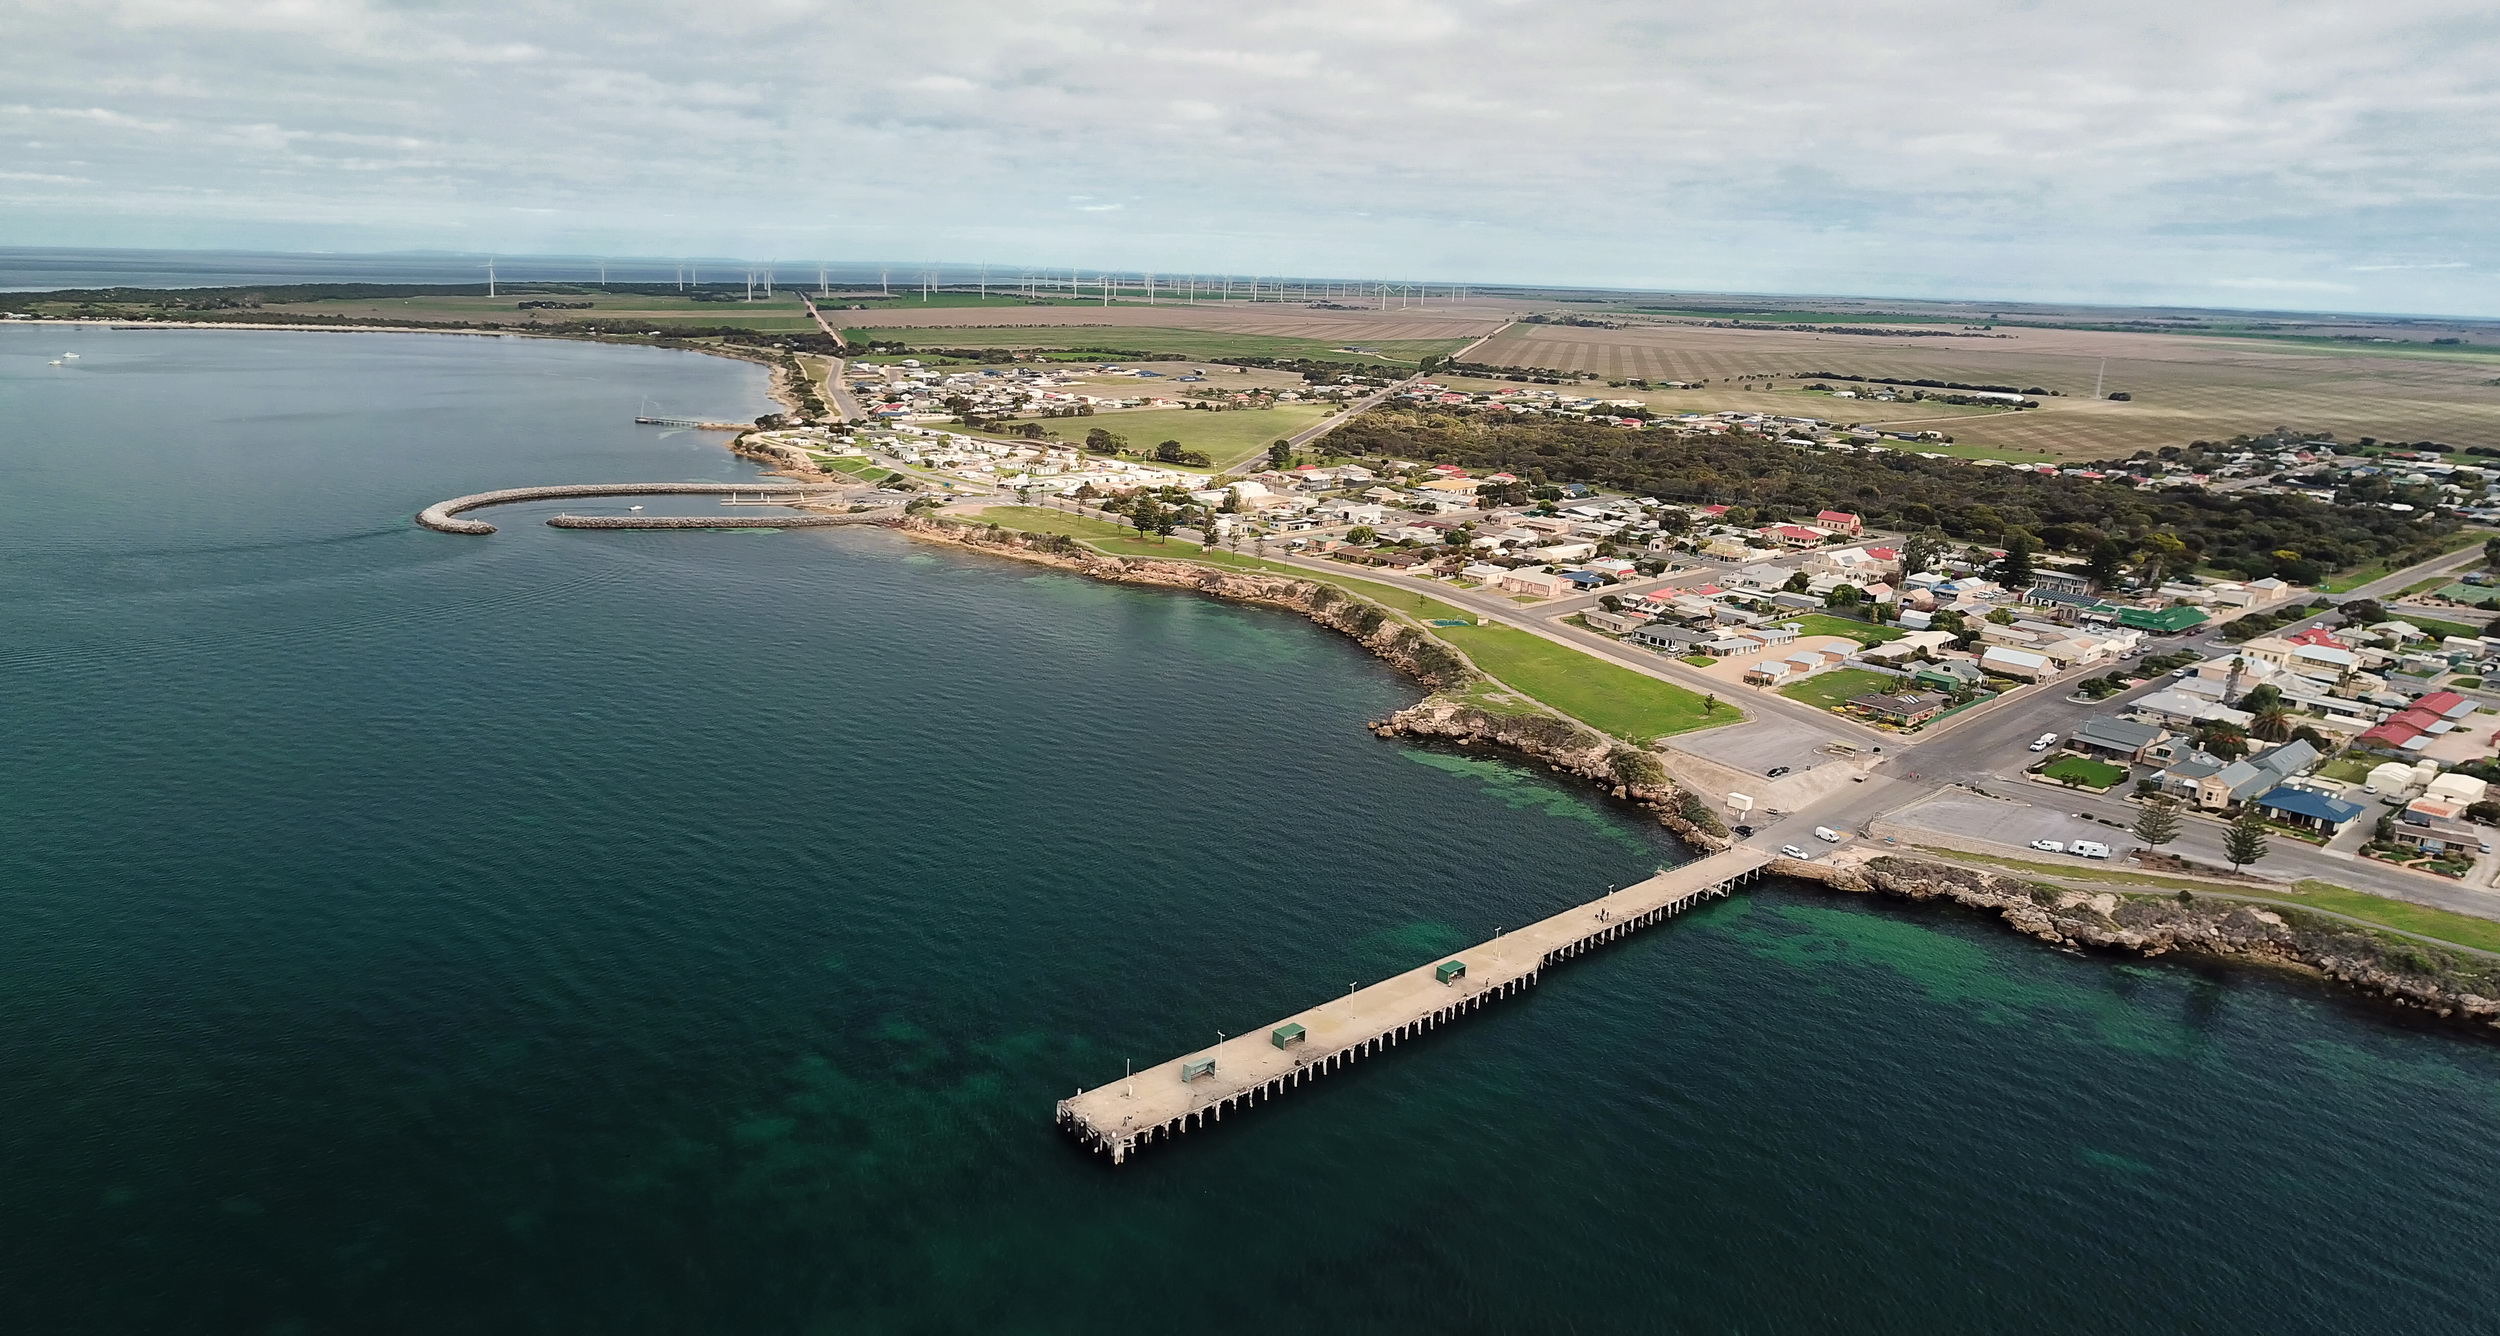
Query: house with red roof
[1841,521]
[1793,535]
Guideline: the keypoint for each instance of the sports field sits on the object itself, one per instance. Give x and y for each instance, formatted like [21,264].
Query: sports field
[2184,387]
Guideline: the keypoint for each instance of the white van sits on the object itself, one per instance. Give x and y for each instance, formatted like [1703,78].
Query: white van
[2091,848]
[1828,835]
[2044,742]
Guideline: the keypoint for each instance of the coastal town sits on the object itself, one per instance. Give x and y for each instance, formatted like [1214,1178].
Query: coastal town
[1896,689]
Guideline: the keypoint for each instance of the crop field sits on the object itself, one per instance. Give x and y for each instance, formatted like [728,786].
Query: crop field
[780,314]
[2184,387]
[1186,342]
[1230,439]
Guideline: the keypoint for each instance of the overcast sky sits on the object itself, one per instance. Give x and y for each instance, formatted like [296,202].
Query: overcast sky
[2304,155]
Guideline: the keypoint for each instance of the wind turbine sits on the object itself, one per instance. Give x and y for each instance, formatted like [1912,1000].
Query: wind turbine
[490,277]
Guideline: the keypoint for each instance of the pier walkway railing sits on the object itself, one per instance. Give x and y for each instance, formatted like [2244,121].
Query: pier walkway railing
[1200,1088]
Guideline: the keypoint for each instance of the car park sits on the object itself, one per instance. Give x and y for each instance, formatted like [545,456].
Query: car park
[2049,846]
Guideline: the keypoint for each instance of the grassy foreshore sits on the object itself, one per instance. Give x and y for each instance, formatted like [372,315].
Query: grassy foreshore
[1614,700]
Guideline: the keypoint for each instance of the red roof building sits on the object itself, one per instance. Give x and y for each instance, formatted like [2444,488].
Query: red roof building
[1841,520]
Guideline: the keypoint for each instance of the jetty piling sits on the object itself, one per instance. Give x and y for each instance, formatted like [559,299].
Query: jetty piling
[1197,1088]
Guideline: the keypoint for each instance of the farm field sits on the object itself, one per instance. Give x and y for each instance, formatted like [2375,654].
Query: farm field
[2185,387]
[1152,339]
[780,314]
[1230,439]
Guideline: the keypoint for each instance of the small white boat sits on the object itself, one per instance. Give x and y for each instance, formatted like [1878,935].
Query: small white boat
[633,507]
[69,357]
[56,361]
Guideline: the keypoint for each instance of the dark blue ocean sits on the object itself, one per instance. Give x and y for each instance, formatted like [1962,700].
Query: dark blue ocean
[689,932]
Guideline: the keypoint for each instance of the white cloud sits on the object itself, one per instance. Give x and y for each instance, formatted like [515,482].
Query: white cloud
[2130,150]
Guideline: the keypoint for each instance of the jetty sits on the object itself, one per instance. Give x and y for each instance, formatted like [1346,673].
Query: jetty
[439,516]
[1197,1089]
[656,420]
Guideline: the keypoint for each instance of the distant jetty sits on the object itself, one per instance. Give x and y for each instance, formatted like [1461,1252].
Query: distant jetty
[440,516]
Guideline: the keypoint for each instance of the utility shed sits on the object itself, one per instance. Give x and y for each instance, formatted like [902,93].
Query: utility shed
[1287,1035]
[1197,1067]
[1450,971]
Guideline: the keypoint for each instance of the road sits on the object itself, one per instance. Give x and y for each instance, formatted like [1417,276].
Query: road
[843,403]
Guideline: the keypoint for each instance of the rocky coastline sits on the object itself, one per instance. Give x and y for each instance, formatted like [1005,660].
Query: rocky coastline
[2407,973]
[2415,975]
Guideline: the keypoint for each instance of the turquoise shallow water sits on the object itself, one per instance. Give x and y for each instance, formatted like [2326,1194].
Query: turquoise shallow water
[689,932]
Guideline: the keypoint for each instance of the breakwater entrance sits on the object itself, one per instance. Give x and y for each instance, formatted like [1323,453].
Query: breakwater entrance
[440,516]
[1198,1088]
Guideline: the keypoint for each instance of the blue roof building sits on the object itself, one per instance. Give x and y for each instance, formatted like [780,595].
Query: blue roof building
[2311,811]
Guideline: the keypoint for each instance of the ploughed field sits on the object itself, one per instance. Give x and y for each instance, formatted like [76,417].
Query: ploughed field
[2184,387]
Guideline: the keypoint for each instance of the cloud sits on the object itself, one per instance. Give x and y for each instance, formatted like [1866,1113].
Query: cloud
[2282,285]
[2129,150]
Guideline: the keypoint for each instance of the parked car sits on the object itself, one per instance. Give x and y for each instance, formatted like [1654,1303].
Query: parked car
[1828,835]
[1744,832]
[1792,851]
[1776,771]
[2049,846]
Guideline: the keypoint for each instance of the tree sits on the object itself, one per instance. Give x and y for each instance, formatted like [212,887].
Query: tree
[2163,553]
[1278,453]
[2259,697]
[2491,551]
[2245,842]
[2013,570]
[1844,596]
[1797,583]
[1920,552]
[2273,723]
[2363,612]
[1710,704]
[2158,823]
[2221,739]
[1361,535]
[2105,564]
[1610,602]
[2000,616]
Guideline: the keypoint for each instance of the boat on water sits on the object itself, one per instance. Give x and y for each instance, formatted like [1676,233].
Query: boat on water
[69,357]
[633,507]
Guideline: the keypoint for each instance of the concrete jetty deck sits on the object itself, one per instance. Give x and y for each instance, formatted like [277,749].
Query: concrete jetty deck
[1194,1089]
[438,516]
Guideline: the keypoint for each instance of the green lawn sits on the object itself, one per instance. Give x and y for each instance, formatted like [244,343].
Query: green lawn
[1602,695]
[1865,633]
[1230,439]
[2348,769]
[2462,929]
[2085,771]
[2434,627]
[1830,690]
[1606,696]
[2354,579]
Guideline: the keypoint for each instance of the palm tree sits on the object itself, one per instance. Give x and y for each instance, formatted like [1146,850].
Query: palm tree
[2273,723]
